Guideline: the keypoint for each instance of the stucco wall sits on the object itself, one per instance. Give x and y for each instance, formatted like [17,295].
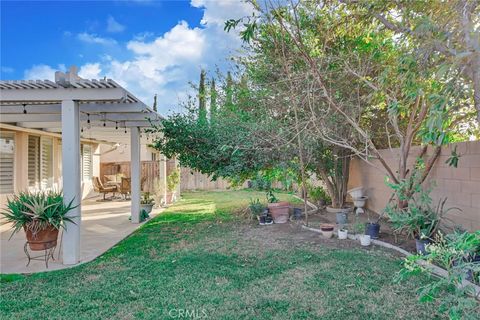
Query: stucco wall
[460,185]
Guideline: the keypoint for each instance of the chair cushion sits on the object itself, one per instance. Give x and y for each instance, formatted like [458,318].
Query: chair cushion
[110,178]
[119,177]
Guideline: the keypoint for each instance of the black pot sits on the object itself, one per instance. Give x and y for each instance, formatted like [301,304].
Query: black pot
[476,260]
[297,213]
[420,244]
[372,229]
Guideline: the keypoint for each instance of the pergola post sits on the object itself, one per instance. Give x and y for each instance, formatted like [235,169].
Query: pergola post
[163,176]
[135,171]
[71,179]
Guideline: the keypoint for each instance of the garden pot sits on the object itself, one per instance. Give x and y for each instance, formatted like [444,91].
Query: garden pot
[338,210]
[356,193]
[341,218]
[327,230]
[147,207]
[297,213]
[421,244]
[365,240]
[42,240]
[342,234]
[279,211]
[360,202]
[372,229]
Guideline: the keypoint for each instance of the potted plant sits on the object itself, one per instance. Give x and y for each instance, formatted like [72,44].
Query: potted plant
[342,233]
[365,239]
[40,215]
[146,203]
[327,229]
[257,210]
[278,209]
[173,180]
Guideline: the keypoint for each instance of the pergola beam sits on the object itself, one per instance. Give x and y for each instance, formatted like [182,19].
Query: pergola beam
[84,124]
[83,117]
[60,94]
[84,108]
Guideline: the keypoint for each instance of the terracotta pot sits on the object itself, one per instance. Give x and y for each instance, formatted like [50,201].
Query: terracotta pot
[42,240]
[279,211]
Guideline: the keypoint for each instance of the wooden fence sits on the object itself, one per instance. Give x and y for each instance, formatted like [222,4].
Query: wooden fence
[194,180]
[150,171]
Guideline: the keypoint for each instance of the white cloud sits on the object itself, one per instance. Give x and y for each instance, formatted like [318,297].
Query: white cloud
[113,25]
[94,39]
[218,11]
[42,72]
[90,71]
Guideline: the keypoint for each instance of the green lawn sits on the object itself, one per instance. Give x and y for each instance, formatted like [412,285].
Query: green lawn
[199,257]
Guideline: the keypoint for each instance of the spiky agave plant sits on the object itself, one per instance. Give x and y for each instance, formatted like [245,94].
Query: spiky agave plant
[37,211]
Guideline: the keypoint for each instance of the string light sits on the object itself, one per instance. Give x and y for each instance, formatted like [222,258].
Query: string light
[116,125]
[88,117]
[24,110]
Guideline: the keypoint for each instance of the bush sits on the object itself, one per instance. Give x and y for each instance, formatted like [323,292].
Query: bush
[318,193]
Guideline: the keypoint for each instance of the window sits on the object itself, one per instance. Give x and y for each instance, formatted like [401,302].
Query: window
[154,156]
[7,160]
[86,168]
[40,162]
[34,161]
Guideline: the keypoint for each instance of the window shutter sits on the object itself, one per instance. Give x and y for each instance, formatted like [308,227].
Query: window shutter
[7,159]
[34,161]
[46,162]
[87,162]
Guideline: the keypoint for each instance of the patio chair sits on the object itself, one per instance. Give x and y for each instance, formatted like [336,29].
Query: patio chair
[100,188]
[125,187]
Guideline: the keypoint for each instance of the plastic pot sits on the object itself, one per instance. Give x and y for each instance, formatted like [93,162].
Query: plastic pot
[360,202]
[421,245]
[365,240]
[297,213]
[372,229]
[342,234]
[341,218]
[327,230]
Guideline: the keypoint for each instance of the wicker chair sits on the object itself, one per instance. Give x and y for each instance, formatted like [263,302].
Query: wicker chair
[100,188]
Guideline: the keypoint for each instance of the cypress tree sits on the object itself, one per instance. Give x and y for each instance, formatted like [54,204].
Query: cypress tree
[202,106]
[213,100]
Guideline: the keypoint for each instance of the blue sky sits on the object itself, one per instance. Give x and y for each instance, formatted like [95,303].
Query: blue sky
[148,46]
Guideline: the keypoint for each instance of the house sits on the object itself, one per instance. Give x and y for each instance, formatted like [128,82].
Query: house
[53,135]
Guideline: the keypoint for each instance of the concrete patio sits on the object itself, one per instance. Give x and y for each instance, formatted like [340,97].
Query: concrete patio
[103,225]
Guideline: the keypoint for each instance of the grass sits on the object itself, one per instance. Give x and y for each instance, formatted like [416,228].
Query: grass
[199,260]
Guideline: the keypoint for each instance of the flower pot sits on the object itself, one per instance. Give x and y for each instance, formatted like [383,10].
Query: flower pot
[327,230]
[475,260]
[365,240]
[342,234]
[147,207]
[42,240]
[279,211]
[356,193]
[421,245]
[372,229]
[341,218]
[297,213]
[360,202]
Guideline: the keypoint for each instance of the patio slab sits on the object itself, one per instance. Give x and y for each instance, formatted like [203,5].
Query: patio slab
[104,224]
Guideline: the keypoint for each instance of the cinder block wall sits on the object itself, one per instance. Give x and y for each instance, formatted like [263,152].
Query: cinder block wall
[460,185]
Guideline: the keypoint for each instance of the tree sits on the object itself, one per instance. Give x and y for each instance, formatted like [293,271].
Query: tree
[202,105]
[213,101]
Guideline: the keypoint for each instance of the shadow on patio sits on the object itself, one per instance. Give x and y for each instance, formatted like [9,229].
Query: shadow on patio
[103,225]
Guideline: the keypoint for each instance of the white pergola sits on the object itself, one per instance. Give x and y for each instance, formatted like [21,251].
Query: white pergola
[100,110]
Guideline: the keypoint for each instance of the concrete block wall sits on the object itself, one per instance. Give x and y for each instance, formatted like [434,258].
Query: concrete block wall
[461,186]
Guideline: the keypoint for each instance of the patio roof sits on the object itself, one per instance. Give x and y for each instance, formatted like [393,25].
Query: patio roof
[107,110]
